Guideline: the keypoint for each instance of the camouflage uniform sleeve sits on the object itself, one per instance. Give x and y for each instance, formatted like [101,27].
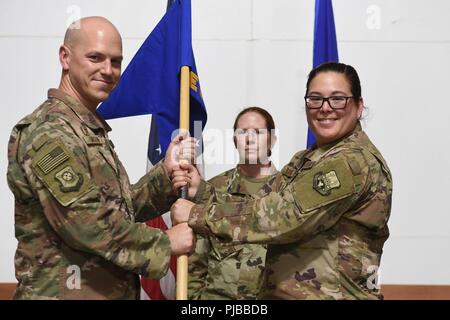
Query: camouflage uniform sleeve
[311,202]
[152,194]
[198,261]
[198,268]
[79,211]
[202,194]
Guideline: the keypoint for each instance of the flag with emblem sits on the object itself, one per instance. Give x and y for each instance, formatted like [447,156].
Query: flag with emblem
[325,43]
[151,85]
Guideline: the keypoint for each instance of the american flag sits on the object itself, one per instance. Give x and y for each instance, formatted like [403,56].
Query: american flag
[163,289]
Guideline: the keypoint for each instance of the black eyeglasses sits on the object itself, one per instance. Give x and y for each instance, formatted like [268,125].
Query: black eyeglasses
[335,102]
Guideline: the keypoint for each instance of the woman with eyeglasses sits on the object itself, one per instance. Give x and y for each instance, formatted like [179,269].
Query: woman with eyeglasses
[222,270]
[325,215]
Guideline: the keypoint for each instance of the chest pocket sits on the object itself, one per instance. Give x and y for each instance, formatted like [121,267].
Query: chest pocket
[109,158]
[100,145]
[295,167]
[103,149]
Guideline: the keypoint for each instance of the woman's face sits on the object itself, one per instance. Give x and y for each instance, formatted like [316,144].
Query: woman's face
[332,124]
[252,139]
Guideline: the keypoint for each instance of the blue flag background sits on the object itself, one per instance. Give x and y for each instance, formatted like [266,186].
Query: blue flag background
[151,84]
[325,43]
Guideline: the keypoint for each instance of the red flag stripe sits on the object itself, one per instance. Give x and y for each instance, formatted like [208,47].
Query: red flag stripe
[152,288]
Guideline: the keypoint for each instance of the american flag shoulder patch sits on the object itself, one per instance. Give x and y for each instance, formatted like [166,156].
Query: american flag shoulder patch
[52,159]
[56,166]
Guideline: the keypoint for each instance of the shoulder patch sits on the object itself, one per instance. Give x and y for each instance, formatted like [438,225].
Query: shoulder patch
[52,159]
[69,180]
[40,142]
[323,184]
[59,171]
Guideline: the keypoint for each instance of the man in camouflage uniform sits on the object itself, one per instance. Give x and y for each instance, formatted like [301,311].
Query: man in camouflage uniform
[221,270]
[77,217]
[325,215]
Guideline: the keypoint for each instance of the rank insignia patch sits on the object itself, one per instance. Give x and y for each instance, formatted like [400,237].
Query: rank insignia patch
[69,180]
[324,182]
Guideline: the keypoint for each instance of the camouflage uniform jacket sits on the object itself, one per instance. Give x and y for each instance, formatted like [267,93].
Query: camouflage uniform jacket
[325,216]
[221,270]
[76,214]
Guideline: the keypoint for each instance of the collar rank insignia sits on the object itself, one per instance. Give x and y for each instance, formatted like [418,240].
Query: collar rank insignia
[324,182]
[69,180]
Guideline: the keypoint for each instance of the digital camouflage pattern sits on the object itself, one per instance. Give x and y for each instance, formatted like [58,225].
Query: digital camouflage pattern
[219,270]
[325,217]
[77,218]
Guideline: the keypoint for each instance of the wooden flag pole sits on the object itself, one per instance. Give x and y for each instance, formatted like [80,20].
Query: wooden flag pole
[182,260]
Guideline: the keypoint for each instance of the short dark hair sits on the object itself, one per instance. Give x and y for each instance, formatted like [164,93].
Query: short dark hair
[270,124]
[347,70]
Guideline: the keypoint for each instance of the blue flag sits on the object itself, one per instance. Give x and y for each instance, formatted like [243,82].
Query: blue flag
[325,43]
[151,85]
[151,82]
